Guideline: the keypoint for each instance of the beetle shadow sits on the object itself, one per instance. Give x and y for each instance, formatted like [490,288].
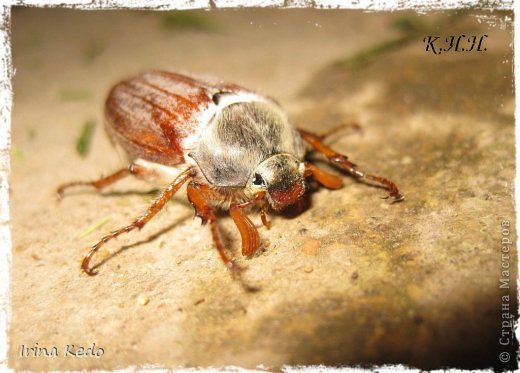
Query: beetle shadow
[231,241]
[152,194]
[226,236]
[126,193]
[150,238]
[89,191]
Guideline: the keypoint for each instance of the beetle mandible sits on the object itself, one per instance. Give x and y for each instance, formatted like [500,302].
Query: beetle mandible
[235,148]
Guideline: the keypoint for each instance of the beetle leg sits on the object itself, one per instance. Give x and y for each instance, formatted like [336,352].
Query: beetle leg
[339,128]
[248,231]
[132,169]
[199,196]
[324,178]
[139,223]
[263,214]
[342,162]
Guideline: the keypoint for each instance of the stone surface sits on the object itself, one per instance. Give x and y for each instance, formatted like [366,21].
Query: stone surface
[352,279]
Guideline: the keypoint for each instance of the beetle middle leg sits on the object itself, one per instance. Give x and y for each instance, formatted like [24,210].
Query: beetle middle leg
[343,163]
[140,222]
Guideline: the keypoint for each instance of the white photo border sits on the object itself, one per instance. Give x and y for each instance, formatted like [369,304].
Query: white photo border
[6,101]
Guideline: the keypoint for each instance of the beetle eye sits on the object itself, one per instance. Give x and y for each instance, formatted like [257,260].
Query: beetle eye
[258,180]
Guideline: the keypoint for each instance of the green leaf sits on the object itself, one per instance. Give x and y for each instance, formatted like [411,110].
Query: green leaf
[83,143]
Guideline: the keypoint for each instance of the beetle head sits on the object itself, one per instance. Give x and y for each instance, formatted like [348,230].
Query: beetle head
[281,177]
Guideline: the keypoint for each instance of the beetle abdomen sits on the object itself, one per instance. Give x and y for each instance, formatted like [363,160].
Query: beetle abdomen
[152,114]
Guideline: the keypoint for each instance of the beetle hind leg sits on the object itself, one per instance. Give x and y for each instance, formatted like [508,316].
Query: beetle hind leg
[140,222]
[342,162]
[132,169]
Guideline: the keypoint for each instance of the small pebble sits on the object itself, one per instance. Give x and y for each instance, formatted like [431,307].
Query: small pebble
[308,269]
[406,160]
[142,300]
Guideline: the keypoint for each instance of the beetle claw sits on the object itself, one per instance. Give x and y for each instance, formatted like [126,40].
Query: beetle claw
[89,271]
[394,197]
[235,268]
[397,198]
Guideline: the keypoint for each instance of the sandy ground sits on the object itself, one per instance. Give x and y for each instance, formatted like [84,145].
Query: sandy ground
[352,279]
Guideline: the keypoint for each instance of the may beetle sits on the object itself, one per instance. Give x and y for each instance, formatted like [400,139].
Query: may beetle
[234,147]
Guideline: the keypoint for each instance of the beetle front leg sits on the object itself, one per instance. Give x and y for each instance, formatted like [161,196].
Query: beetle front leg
[139,223]
[342,162]
[263,215]
[324,178]
[132,169]
[200,197]
[248,231]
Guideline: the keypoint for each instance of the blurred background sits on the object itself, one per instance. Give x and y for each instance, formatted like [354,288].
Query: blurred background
[352,280]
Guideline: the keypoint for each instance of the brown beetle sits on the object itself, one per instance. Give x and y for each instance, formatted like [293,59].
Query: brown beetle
[234,147]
